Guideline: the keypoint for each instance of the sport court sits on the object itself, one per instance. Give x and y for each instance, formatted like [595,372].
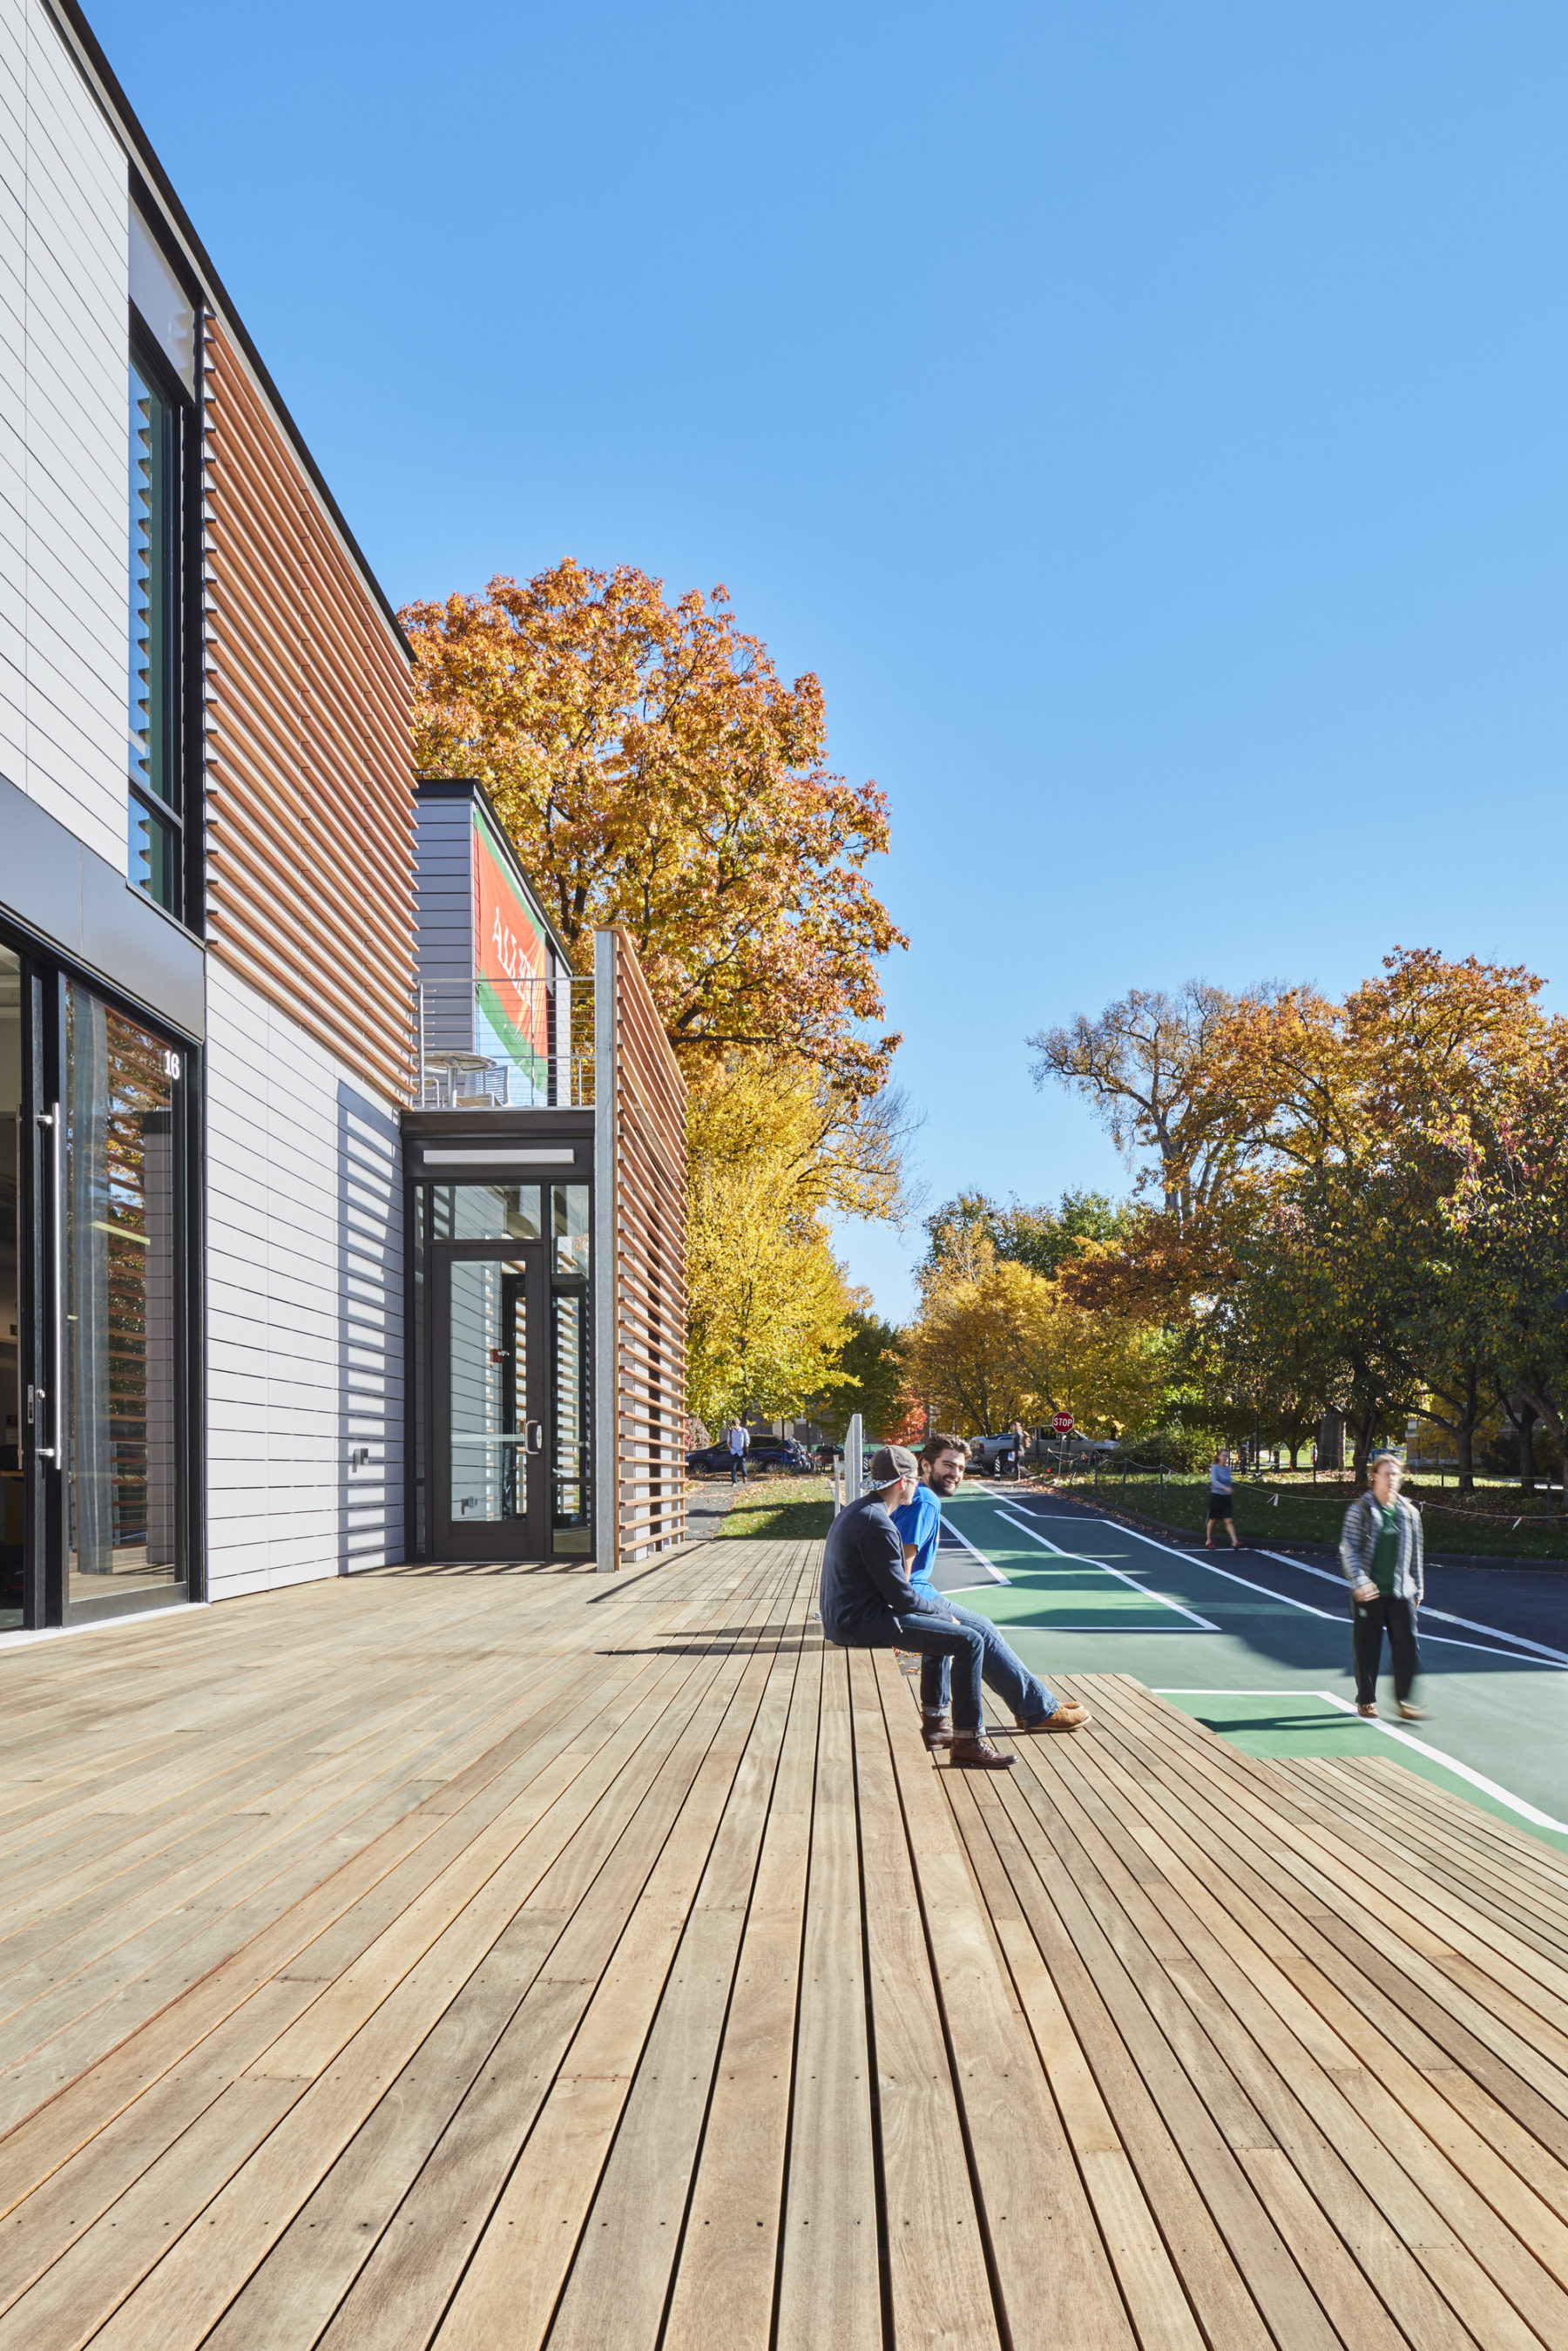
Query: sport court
[1257,1646]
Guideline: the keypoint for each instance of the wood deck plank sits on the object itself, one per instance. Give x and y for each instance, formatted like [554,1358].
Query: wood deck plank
[723,2285]
[1054,2275]
[829,2283]
[940,2289]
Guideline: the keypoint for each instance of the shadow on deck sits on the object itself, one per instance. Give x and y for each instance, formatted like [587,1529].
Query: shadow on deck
[388,1964]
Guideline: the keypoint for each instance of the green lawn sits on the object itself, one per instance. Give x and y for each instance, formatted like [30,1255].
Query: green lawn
[1293,1511]
[781,1509]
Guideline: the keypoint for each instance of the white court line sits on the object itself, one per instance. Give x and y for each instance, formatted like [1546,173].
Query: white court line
[1105,1569]
[1434,1754]
[1329,1615]
[1477,1779]
[1330,1575]
[994,1572]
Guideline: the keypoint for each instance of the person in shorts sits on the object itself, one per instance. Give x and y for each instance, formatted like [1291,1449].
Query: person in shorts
[1221,1504]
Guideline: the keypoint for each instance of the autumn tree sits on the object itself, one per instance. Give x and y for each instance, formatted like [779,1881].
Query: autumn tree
[995,1342]
[1157,1070]
[1042,1238]
[654,770]
[871,1370]
[776,1154]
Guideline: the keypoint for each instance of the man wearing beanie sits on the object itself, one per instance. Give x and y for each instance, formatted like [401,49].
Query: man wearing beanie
[869,1602]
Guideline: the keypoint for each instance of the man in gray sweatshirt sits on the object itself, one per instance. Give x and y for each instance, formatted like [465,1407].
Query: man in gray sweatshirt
[869,1602]
[1381,1552]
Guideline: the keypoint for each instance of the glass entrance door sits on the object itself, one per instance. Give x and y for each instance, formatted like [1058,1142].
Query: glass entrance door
[491,1398]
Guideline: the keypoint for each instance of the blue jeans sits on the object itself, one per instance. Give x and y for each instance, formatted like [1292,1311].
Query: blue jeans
[737,1468]
[1001,1669]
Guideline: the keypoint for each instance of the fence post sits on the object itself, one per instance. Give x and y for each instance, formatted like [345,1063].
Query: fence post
[854,1467]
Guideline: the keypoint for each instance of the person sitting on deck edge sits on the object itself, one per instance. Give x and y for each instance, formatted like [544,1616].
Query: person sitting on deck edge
[869,1602]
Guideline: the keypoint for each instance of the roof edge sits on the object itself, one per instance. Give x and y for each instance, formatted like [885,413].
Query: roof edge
[114,98]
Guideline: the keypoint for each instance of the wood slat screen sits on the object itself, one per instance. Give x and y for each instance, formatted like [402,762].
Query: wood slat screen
[650,1365]
[309,762]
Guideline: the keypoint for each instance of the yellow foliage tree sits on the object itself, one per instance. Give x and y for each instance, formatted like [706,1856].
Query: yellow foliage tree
[996,1343]
[775,1153]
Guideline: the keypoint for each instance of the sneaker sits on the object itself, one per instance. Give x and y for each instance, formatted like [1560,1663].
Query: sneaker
[1370,1711]
[1069,1716]
[973,1750]
[1408,1713]
[937,1730]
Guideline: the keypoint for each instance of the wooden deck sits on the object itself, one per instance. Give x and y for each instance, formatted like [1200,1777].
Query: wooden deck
[515,1959]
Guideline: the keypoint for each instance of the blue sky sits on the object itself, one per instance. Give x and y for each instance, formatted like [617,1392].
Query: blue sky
[1150,423]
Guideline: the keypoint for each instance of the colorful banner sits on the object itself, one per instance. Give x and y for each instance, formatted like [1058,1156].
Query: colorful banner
[509,960]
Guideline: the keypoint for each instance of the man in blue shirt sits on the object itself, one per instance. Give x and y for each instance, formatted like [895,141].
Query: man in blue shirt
[942,1460]
[868,1603]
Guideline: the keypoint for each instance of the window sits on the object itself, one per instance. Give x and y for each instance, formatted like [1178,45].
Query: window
[160,379]
[153,716]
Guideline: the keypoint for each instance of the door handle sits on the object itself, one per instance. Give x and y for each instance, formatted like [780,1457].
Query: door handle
[534,1434]
[54,1394]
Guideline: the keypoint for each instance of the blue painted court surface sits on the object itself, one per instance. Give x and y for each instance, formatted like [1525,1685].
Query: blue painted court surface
[1258,1646]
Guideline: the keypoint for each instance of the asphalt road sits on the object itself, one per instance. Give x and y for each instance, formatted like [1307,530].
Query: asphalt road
[1257,1645]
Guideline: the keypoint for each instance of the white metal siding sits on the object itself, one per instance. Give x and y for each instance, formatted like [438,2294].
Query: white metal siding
[63,437]
[304,1304]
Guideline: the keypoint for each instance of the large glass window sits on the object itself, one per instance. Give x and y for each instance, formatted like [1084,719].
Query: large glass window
[11,1489]
[485,1212]
[124,1530]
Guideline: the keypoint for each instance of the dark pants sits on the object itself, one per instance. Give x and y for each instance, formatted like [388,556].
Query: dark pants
[943,1638]
[737,1468]
[1370,1620]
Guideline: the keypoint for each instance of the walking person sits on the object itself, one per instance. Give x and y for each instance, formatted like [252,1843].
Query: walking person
[868,1601]
[737,1441]
[1221,1501]
[941,1461]
[1383,1553]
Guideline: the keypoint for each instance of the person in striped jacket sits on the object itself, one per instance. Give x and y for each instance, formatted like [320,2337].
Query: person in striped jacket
[1381,1552]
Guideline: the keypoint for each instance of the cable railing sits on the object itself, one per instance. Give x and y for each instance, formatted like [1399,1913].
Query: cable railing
[504,1044]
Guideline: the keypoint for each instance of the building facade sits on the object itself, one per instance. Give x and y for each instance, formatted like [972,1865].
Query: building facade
[545,1215]
[211,1028]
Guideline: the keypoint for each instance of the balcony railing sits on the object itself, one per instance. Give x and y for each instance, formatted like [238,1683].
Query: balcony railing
[504,1044]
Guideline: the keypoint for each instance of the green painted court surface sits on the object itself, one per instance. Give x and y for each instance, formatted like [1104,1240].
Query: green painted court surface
[1259,1650]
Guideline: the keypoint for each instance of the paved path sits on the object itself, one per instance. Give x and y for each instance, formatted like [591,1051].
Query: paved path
[1258,1645]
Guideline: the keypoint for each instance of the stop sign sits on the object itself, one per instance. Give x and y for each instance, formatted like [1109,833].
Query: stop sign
[1061,1423]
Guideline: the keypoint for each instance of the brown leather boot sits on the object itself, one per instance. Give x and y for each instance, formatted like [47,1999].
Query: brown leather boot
[973,1750]
[937,1730]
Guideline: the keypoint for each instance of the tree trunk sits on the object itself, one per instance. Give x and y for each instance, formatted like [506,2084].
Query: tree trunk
[1362,1428]
[1525,1424]
[1465,1437]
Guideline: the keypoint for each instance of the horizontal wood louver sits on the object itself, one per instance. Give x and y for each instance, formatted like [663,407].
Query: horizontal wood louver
[309,781]
[650,1129]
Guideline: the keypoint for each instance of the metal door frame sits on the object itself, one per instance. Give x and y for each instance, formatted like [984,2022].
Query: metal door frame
[489,1539]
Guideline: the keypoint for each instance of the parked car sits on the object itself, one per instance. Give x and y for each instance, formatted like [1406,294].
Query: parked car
[985,1453]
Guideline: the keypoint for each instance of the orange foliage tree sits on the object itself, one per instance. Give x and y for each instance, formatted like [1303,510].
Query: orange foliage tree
[656,771]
